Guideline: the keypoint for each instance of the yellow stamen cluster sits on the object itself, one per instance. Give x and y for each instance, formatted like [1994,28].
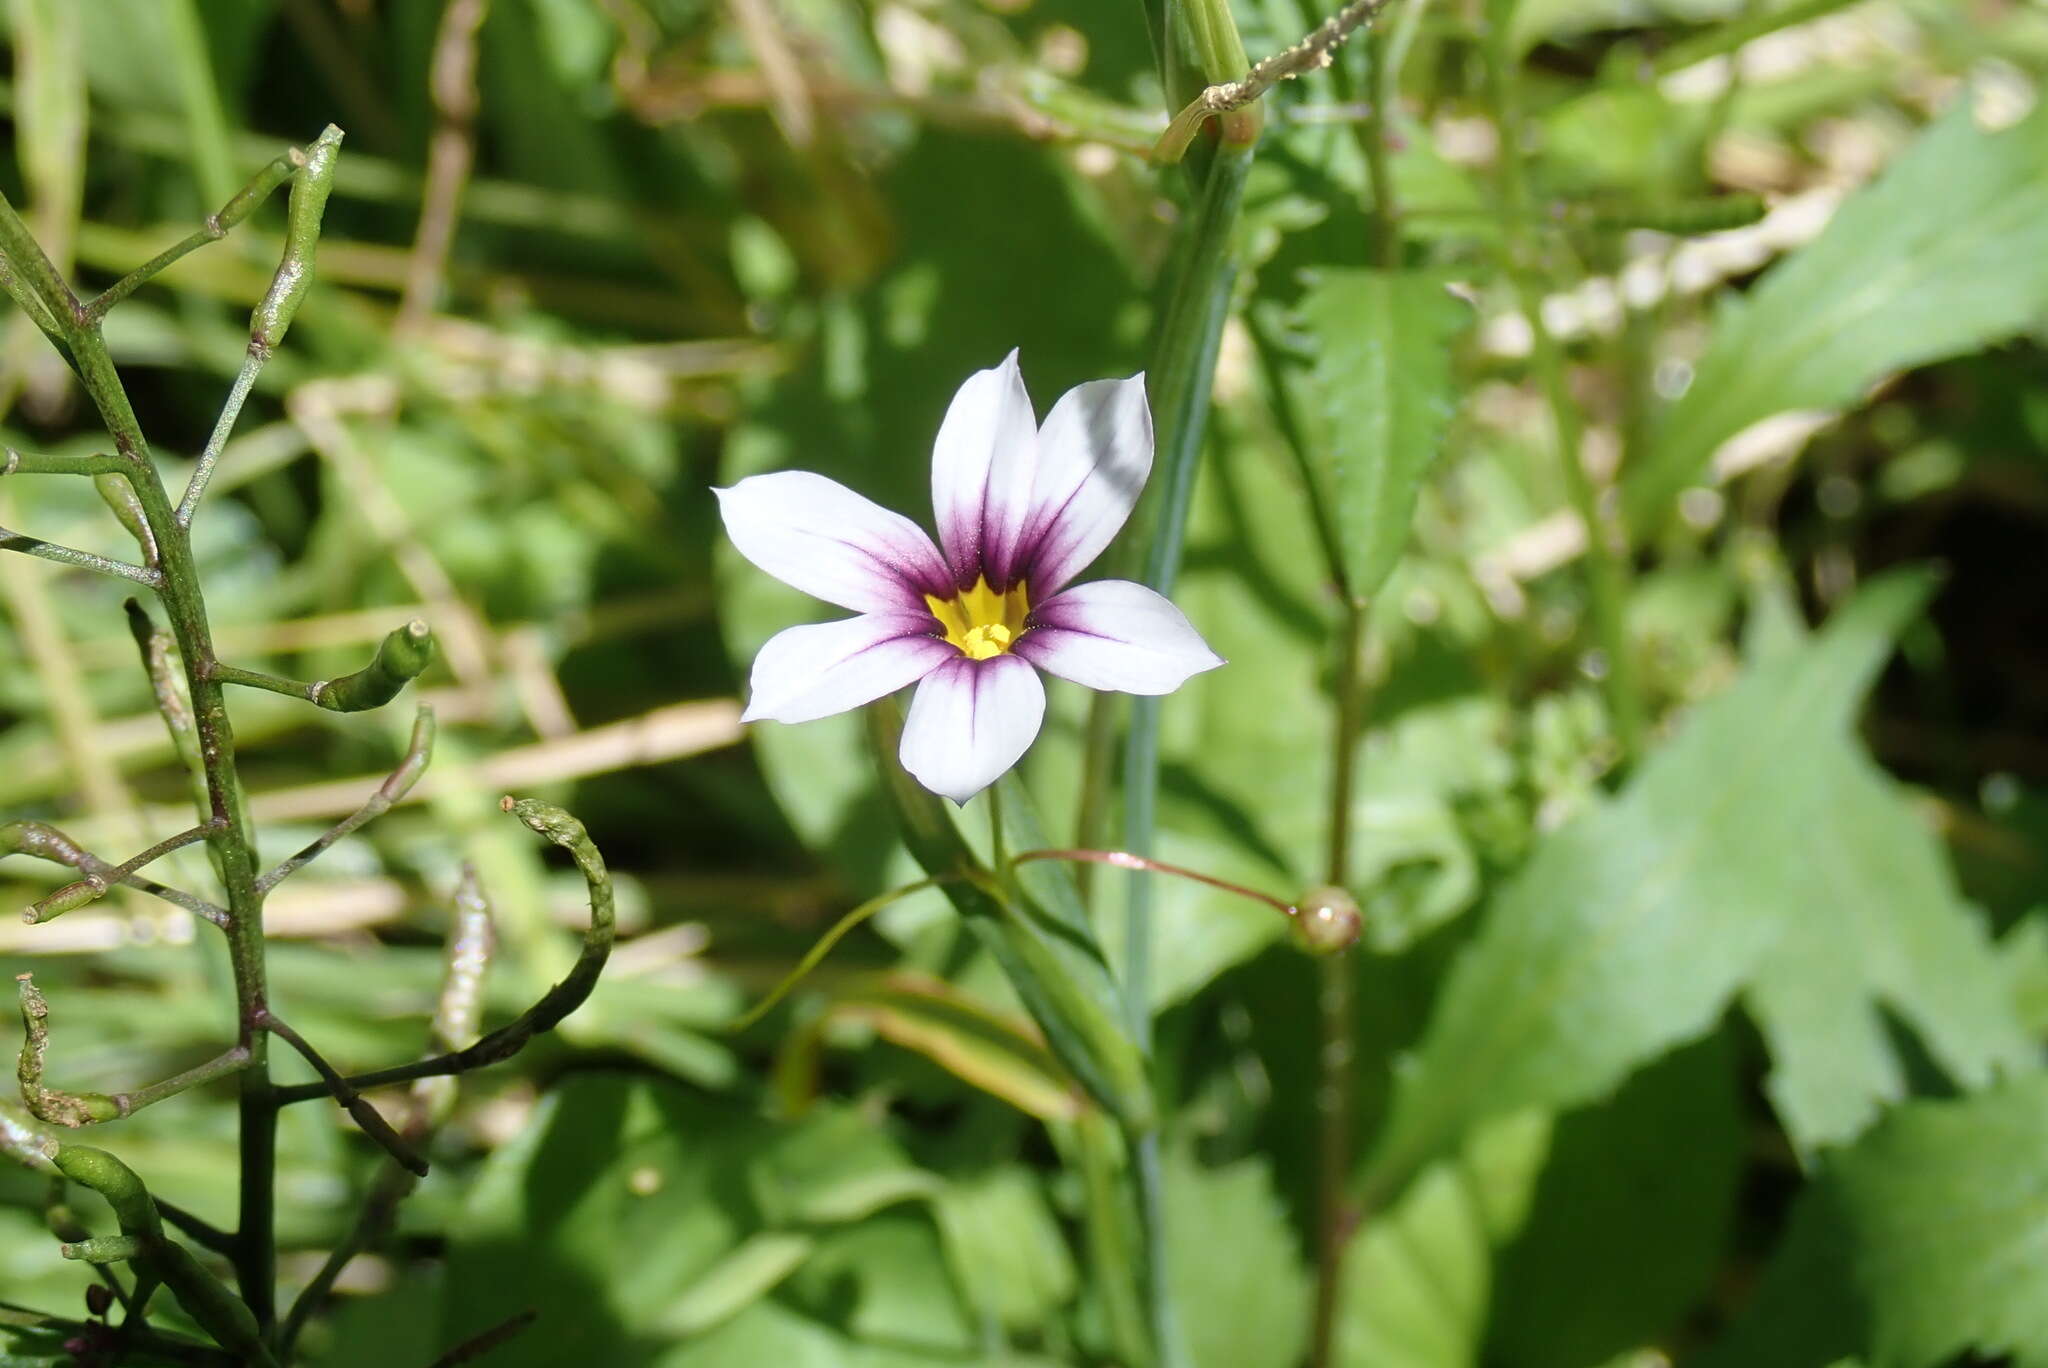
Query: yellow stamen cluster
[982,622]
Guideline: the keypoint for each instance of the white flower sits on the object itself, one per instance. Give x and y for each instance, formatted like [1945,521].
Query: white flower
[1022,509]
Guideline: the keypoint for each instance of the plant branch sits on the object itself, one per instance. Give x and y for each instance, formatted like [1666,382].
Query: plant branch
[368,1117]
[476,1346]
[85,1109]
[204,1232]
[96,882]
[457,1012]
[77,560]
[273,314]
[47,843]
[33,463]
[402,657]
[417,754]
[157,1257]
[216,226]
[558,1002]
[1312,53]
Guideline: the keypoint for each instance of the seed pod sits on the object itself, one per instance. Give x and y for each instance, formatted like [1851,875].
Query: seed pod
[1327,921]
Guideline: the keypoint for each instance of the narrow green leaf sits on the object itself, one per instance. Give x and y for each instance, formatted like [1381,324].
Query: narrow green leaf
[1382,383]
[1003,1058]
[1751,852]
[1945,253]
[749,1273]
[1922,1244]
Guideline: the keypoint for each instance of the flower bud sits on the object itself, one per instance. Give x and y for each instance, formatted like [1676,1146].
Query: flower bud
[1326,921]
[99,1298]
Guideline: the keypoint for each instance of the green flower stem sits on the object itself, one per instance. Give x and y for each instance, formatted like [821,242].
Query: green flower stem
[565,997]
[1606,566]
[823,947]
[1199,46]
[417,753]
[1336,1086]
[1184,365]
[45,842]
[402,657]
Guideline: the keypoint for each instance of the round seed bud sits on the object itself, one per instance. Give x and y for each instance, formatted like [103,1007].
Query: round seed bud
[1327,921]
[98,1299]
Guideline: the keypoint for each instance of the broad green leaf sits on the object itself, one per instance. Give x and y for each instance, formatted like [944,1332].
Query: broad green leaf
[1419,1275]
[1925,1241]
[1005,1248]
[633,1214]
[1742,857]
[1544,1241]
[1382,382]
[1945,253]
[1232,1264]
[1629,1219]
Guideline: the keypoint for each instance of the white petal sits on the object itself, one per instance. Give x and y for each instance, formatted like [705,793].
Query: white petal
[817,535]
[969,721]
[1113,634]
[982,466]
[815,671]
[1094,453]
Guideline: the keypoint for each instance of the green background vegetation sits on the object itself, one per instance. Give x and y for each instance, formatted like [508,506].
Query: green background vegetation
[1724,1047]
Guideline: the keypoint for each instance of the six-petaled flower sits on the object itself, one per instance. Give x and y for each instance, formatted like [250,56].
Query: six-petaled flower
[1022,509]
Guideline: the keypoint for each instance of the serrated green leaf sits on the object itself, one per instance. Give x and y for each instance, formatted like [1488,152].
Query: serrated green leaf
[1382,380]
[1946,252]
[1419,1276]
[1629,1219]
[1755,849]
[1005,1248]
[1232,1264]
[1925,1241]
[637,1197]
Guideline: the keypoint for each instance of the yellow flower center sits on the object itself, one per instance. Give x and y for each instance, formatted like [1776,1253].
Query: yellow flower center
[980,621]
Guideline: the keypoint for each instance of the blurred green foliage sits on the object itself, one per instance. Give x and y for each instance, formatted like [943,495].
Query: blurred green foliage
[1729,1050]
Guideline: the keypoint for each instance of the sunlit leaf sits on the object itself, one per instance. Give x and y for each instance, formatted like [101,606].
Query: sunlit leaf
[1742,859]
[1923,1243]
[1382,379]
[1945,253]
